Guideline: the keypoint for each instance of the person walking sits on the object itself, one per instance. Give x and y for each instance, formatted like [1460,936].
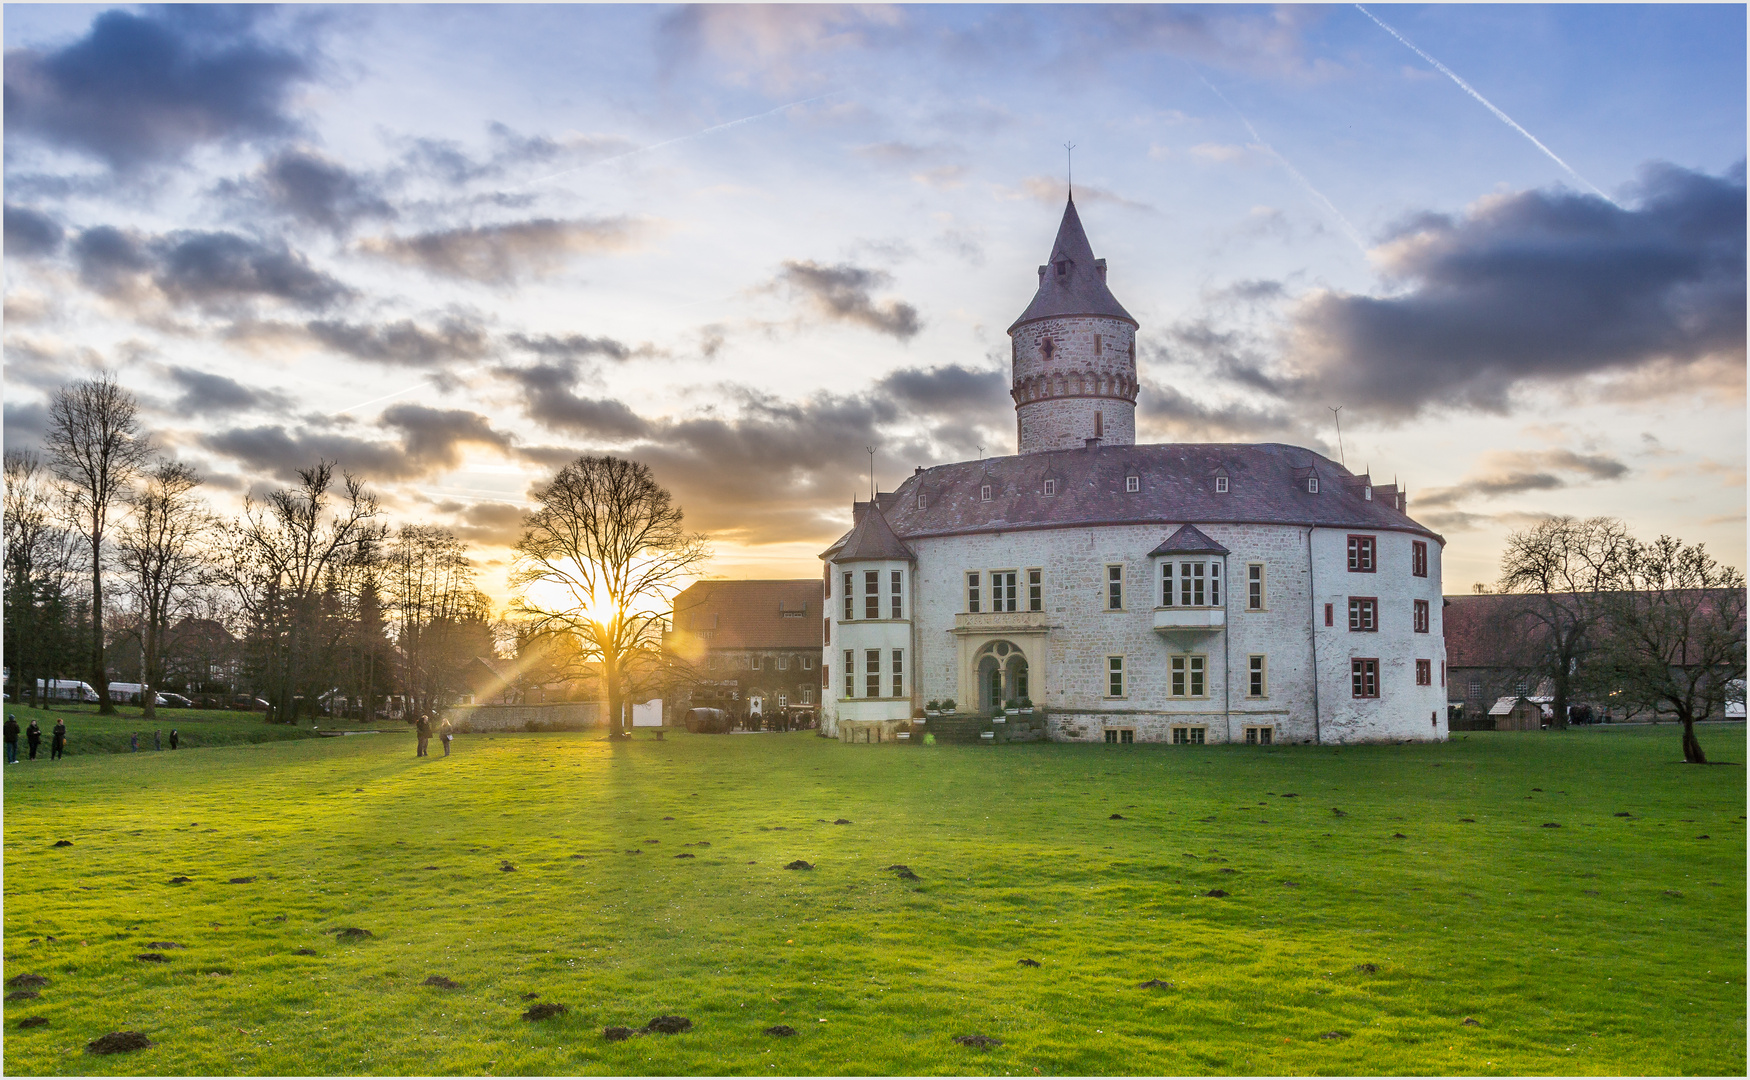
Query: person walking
[157,743]
[134,740]
[445,732]
[58,740]
[174,738]
[423,730]
[11,732]
[34,736]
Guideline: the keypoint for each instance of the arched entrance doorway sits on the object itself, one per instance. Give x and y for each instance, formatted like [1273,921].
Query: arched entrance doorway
[1002,675]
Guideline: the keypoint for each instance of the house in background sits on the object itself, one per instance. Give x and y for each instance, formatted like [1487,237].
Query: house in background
[746,647]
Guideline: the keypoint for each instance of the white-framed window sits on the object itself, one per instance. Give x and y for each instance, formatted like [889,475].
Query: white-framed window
[1312,485]
[808,663]
[1221,485]
[1257,676]
[1260,735]
[1133,484]
[782,663]
[850,596]
[984,493]
[1364,677]
[1255,596]
[897,669]
[1199,583]
[871,594]
[808,695]
[1051,487]
[1188,736]
[1363,554]
[1121,735]
[755,661]
[850,673]
[1364,614]
[1189,676]
[1115,676]
[972,592]
[1419,616]
[1115,587]
[872,672]
[920,500]
[1004,590]
[896,594]
[1035,590]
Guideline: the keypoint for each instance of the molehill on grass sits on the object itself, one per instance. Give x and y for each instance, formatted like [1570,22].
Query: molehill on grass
[1155,984]
[34,1021]
[351,933]
[783,1031]
[22,995]
[1027,961]
[152,958]
[27,979]
[799,865]
[118,1042]
[981,1042]
[546,1010]
[441,983]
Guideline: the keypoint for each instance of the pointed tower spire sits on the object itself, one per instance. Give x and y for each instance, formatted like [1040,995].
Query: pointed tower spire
[1073,282]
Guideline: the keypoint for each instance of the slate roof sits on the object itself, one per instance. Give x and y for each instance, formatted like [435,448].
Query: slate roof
[1080,291]
[1177,482]
[1188,540]
[769,614]
[871,538]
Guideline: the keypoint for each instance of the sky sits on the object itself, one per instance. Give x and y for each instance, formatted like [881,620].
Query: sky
[454,247]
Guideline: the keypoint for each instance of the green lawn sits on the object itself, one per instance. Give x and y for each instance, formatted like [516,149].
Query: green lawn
[1608,945]
[90,733]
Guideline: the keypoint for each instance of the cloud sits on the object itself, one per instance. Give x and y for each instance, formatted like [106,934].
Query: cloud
[1517,472]
[553,400]
[316,190]
[451,163]
[403,342]
[204,268]
[780,46]
[1544,285]
[501,254]
[431,442]
[205,393]
[435,437]
[147,87]
[492,524]
[25,424]
[1051,192]
[573,346]
[31,233]
[842,293]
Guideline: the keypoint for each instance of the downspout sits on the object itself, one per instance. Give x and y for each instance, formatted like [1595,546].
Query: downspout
[1227,692]
[1313,638]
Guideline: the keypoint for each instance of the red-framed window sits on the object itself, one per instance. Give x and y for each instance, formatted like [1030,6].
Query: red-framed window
[1364,613]
[1330,614]
[1364,677]
[1363,554]
[1424,672]
[1420,608]
[1419,558]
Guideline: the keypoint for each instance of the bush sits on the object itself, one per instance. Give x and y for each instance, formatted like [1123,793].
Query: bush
[949,705]
[934,705]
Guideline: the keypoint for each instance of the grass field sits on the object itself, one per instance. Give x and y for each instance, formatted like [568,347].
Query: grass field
[1610,944]
[89,733]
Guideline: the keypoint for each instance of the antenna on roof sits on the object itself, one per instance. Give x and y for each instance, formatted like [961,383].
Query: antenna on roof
[1070,158]
[871,450]
[1337,411]
[981,451]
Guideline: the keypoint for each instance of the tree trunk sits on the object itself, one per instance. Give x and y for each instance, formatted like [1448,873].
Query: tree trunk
[616,694]
[148,669]
[1691,746]
[99,675]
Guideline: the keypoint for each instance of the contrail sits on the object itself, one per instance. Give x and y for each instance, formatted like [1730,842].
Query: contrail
[1487,104]
[680,138]
[1330,207]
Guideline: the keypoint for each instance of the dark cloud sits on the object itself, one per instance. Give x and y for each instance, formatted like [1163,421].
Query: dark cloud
[205,268]
[25,424]
[843,293]
[571,346]
[450,162]
[1538,285]
[501,254]
[30,233]
[204,393]
[553,400]
[1518,472]
[314,189]
[948,390]
[431,442]
[404,342]
[435,437]
[149,86]
[1167,414]
[488,523]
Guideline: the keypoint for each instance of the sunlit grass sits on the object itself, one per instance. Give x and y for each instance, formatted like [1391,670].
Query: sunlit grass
[1607,945]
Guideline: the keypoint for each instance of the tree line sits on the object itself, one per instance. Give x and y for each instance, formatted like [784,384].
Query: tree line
[307,595]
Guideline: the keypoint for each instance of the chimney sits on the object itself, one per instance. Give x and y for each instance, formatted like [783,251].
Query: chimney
[1100,265]
[1092,441]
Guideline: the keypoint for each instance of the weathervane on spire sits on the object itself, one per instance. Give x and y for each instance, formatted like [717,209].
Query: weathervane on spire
[1070,157]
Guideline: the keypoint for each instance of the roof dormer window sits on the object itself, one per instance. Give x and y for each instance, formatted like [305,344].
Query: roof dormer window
[984,493]
[1051,487]
[1221,485]
[1312,485]
[1367,493]
[1062,267]
[920,500]
[1133,483]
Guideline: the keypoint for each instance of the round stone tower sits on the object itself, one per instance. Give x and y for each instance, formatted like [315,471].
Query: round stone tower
[1074,353]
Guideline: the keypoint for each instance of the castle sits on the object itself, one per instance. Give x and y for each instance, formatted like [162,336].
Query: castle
[1182,593]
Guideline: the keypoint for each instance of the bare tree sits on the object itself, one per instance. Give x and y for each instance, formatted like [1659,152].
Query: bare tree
[601,559]
[440,618]
[1564,568]
[161,553]
[1675,641]
[39,562]
[96,447]
[288,559]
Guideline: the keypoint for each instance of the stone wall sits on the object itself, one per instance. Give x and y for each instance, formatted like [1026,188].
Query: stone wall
[1057,395]
[558,716]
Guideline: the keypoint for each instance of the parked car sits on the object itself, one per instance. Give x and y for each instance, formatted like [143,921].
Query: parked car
[175,701]
[248,703]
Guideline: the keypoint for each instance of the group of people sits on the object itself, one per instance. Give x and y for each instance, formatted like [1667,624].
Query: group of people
[157,743]
[33,737]
[423,730]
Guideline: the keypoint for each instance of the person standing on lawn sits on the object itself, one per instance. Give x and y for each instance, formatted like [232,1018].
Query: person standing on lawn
[58,740]
[11,732]
[445,732]
[157,743]
[174,739]
[423,730]
[34,736]
[134,741]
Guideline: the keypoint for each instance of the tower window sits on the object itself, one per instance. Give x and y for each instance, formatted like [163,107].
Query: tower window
[1048,347]
[1099,424]
[1097,345]
[1062,268]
